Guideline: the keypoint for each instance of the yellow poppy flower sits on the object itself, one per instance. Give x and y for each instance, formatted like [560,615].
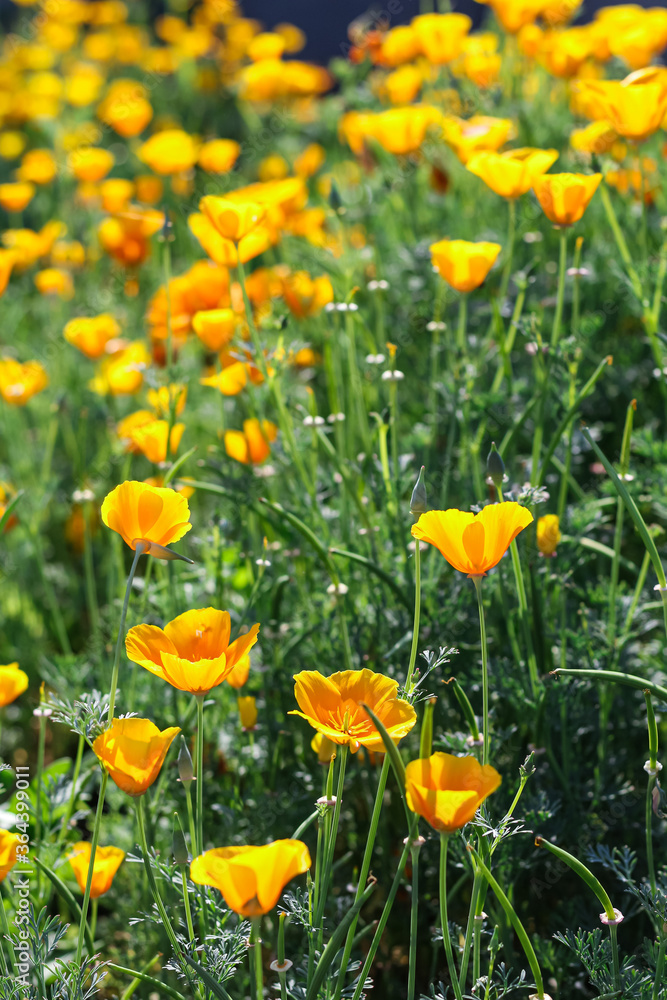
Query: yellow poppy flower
[8,856]
[564,197]
[473,543]
[252,445]
[149,514]
[107,862]
[251,879]
[247,707]
[464,265]
[332,705]
[193,652]
[13,682]
[20,382]
[91,334]
[133,751]
[512,173]
[548,534]
[447,791]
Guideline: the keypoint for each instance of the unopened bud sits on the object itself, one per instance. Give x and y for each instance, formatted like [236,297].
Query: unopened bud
[185,769]
[418,502]
[495,467]
[179,848]
[335,200]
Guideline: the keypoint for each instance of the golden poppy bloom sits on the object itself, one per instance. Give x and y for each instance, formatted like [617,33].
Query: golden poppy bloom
[149,189]
[149,514]
[226,252]
[167,396]
[473,543]
[239,675]
[512,173]
[564,197]
[266,45]
[17,196]
[514,14]
[252,445]
[251,879]
[13,682]
[126,235]
[273,167]
[132,751]
[232,220]
[597,137]
[230,380]
[170,152]
[20,382]
[89,163]
[107,862]
[7,260]
[332,705]
[548,534]
[12,145]
[116,194]
[247,707]
[218,156]
[8,857]
[126,108]
[38,166]
[154,440]
[447,790]
[309,162]
[54,281]
[464,265]
[634,107]
[400,45]
[323,747]
[403,85]
[215,327]
[306,296]
[122,374]
[193,652]
[91,334]
[403,130]
[441,36]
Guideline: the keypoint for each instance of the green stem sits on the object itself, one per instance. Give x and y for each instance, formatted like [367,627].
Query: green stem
[511,236]
[89,879]
[444,839]
[363,874]
[382,923]
[330,842]
[89,569]
[620,242]
[6,933]
[186,904]
[121,630]
[72,798]
[93,918]
[40,779]
[256,970]
[462,324]
[465,958]
[558,315]
[477,580]
[414,917]
[409,686]
[199,753]
[659,982]
[164,917]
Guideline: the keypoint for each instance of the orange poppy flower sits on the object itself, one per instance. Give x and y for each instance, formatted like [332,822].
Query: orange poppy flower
[447,790]
[251,879]
[564,197]
[332,705]
[20,382]
[239,674]
[233,220]
[306,296]
[219,155]
[91,334]
[148,514]
[107,862]
[169,152]
[473,543]
[193,652]
[215,327]
[634,107]
[512,173]
[251,446]
[229,381]
[464,265]
[122,374]
[8,843]
[13,682]
[226,252]
[38,166]
[323,747]
[90,163]
[154,439]
[15,197]
[54,281]
[441,36]
[477,134]
[133,751]
[116,194]
[7,260]
[548,534]
[247,707]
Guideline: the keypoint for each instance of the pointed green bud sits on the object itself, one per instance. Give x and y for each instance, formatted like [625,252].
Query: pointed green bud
[179,848]
[426,735]
[418,502]
[495,467]
[335,200]
[185,769]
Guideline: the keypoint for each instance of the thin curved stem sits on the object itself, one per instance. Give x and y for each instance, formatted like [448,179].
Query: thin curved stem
[453,975]
[121,630]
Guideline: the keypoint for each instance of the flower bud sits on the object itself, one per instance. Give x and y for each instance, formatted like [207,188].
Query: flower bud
[495,467]
[418,502]
[179,848]
[185,769]
[248,711]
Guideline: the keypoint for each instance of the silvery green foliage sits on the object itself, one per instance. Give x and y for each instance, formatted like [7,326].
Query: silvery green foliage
[86,715]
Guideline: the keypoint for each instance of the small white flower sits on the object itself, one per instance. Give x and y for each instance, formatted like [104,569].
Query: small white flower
[436,324]
[394,376]
[374,359]
[340,589]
